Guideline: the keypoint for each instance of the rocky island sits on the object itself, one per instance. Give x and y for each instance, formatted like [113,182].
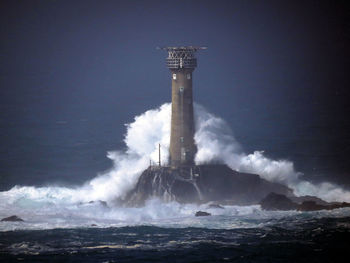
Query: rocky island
[219,184]
[202,184]
[185,182]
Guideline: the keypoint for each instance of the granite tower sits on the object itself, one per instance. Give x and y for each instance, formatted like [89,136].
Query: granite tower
[182,61]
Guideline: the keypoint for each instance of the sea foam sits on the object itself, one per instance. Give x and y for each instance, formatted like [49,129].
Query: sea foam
[216,143]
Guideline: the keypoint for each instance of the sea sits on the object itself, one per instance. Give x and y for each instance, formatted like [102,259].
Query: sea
[170,232]
[81,221]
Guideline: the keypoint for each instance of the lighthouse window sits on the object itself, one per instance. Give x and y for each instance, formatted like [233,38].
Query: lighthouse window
[183,154]
[174,76]
[181,139]
[188,76]
[181,89]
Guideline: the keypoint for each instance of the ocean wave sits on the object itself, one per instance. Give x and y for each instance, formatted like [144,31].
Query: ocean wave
[95,202]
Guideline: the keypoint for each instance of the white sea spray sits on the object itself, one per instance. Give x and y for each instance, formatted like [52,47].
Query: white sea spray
[54,206]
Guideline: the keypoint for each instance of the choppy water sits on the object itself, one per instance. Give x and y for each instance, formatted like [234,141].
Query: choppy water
[169,232]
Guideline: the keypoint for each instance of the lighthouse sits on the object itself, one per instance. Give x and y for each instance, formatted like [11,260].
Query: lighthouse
[183,181]
[182,61]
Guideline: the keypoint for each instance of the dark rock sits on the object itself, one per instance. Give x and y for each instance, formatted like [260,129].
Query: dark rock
[312,206]
[202,184]
[275,201]
[201,213]
[301,199]
[13,218]
[340,205]
[165,183]
[93,225]
[343,204]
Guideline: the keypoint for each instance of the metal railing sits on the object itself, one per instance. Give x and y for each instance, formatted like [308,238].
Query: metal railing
[181,57]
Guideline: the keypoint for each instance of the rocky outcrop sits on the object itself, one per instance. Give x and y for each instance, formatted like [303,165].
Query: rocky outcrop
[202,184]
[306,198]
[313,206]
[275,201]
[201,213]
[219,185]
[13,218]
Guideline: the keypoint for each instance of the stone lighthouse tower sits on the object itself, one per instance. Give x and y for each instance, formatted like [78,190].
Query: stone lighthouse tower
[182,61]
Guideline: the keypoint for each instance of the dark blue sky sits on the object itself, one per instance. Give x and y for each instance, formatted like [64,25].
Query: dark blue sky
[72,73]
